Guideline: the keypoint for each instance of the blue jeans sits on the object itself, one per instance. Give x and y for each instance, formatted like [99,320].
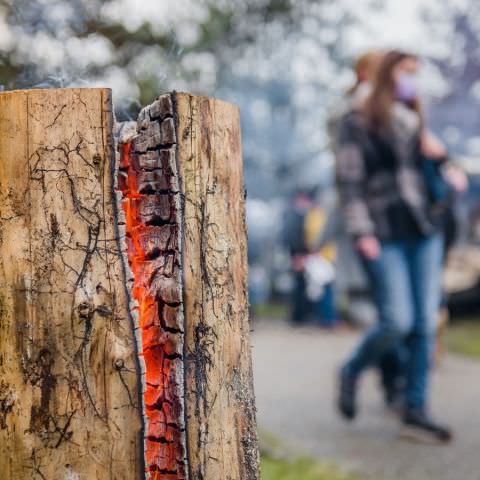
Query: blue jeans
[406,283]
[324,307]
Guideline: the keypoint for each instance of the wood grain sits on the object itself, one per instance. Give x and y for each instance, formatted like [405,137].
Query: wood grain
[72,364]
[68,389]
[219,402]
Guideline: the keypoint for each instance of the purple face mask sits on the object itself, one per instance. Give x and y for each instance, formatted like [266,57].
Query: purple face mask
[406,89]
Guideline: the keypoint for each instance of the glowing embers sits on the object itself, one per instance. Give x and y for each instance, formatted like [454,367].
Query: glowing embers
[148,181]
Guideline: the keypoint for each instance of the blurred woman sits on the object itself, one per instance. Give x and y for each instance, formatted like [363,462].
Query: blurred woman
[391,364]
[388,210]
[365,69]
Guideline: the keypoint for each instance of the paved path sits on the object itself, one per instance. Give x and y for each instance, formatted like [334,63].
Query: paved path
[295,387]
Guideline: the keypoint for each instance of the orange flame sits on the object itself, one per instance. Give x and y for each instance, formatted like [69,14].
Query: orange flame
[163,443]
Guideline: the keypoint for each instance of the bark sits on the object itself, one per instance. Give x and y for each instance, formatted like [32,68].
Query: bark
[124,335]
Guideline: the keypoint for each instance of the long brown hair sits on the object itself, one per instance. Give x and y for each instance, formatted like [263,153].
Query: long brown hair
[378,106]
[365,66]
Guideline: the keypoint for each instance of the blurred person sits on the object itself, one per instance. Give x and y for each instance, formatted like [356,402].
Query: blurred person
[319,231]
[389,211]
[312,256]
[365,69]
[350,276]
[295,241]
[392,363]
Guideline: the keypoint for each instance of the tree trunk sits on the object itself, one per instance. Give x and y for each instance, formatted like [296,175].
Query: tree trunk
[124,350]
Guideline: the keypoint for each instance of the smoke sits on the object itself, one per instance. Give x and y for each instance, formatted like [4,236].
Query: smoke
[52,45]
[135,49]
[55,49]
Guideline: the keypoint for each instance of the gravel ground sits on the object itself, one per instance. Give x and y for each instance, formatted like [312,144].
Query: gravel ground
[295,381]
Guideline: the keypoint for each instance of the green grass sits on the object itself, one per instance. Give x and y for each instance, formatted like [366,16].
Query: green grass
[271,310]
[298,469]
[464,338]
[279,462]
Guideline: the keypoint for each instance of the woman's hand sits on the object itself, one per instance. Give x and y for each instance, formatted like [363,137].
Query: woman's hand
[456,178]
[432,147]
[369,247]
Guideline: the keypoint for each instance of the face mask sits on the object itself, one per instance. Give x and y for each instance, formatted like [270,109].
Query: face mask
[406,89]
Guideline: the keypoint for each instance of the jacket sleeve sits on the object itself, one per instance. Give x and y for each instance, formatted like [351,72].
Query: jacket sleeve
[351,179]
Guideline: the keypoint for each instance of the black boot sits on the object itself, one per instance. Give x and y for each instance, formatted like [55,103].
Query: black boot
[347,395]
[392,370]
[393,394]
[417,425]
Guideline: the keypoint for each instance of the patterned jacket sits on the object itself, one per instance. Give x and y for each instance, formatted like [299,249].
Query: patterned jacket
[378,173]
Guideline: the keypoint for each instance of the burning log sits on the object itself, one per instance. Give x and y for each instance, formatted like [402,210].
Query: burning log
[124,348]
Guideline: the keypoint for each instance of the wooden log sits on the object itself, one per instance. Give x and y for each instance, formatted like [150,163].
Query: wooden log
[124,290]
[181,177]
[219,397]
[69,406]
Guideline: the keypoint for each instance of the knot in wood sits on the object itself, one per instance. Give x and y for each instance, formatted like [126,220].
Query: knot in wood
[119,364]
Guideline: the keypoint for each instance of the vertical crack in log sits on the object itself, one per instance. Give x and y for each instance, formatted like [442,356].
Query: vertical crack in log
[150,198]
